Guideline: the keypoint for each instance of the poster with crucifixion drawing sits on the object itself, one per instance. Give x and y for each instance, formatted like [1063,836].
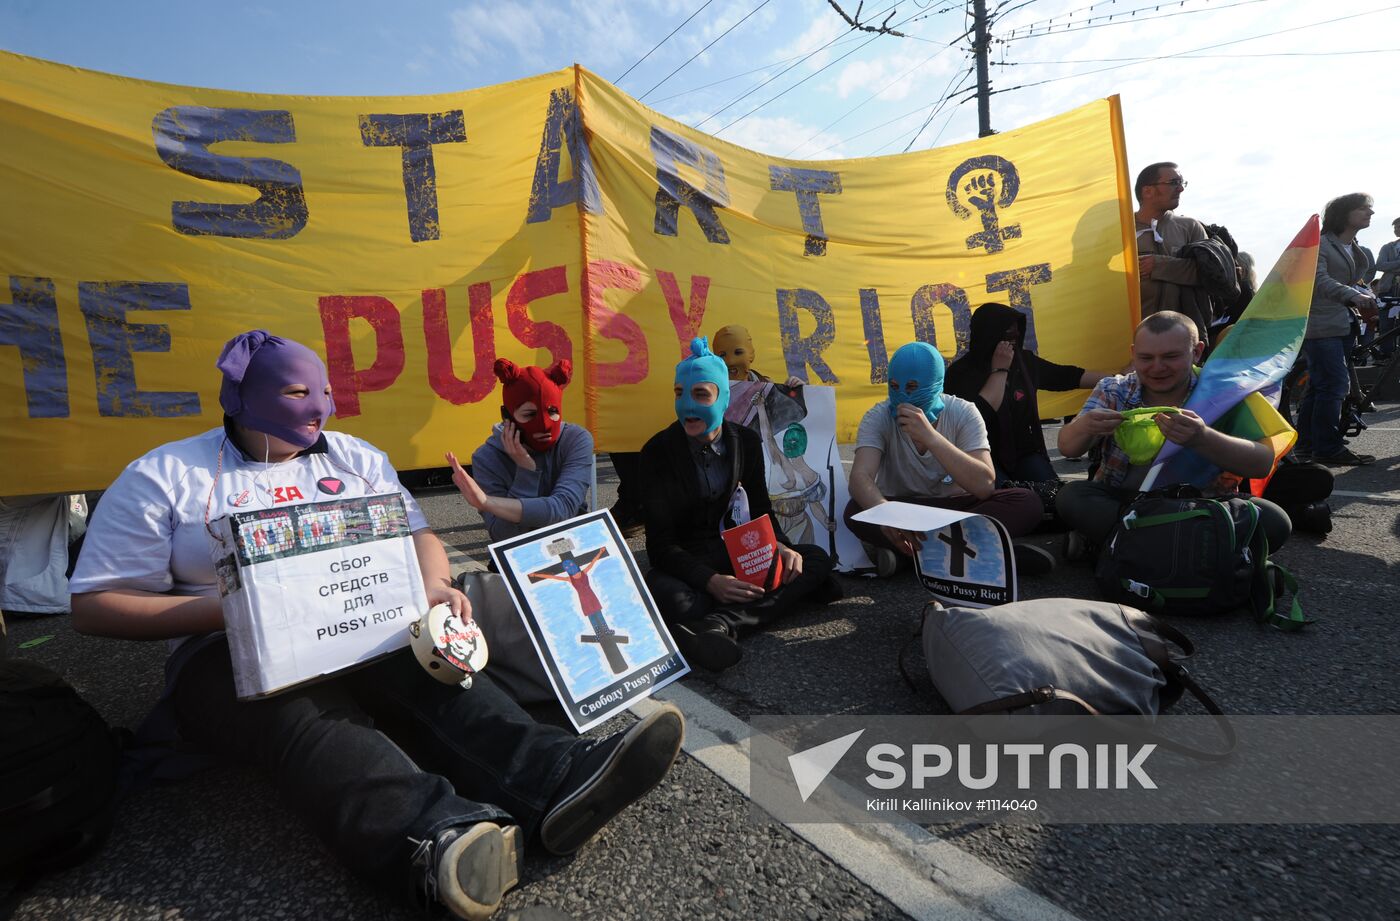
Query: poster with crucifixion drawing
[965,560]
[590,617]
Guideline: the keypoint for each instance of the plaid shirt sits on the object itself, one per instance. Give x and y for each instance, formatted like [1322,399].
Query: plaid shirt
[1120,393]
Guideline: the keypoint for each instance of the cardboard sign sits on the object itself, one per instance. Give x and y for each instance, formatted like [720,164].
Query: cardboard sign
[753,553]
[311,589]
[590,617]
[966,559]
[806,480]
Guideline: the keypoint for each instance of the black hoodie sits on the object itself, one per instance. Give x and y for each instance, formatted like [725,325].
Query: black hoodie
[1014,430]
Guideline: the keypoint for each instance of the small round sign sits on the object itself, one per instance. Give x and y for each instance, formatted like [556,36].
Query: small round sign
[449,648]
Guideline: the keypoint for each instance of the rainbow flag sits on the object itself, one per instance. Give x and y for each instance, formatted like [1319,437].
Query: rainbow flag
[1249,365]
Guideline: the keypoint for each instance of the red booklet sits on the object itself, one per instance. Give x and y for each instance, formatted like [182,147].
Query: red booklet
[753,552]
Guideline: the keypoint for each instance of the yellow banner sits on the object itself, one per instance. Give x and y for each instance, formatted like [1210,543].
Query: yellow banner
[412,240]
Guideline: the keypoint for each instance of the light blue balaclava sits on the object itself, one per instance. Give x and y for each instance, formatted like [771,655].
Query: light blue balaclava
[702,367]
[921,363]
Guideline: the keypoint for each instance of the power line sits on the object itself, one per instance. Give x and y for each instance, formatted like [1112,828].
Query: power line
[1002,11]
[664,40]
[1117,19]
[819,70]
[946,122]
[706,48]
[854,22]
[755,89]
[746,73]
[1084,9]
[843,57]
[1191,51]
[873,95]
[1231,57]
[934,108]
[948,93]
[897,118]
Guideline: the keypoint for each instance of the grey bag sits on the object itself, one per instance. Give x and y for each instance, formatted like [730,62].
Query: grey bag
[1062,656]
[1093,650]
[514,666]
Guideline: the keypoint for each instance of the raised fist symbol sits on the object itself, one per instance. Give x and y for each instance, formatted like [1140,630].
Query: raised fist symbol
[982,190]
[982,193]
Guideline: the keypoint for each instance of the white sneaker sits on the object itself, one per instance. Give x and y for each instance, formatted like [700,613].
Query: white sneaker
[476,867]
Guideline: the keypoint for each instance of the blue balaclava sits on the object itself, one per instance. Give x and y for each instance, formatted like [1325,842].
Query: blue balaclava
[921,363]
[702,367]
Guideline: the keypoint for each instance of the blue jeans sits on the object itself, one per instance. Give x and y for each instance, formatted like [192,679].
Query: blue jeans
[333,751]
[1320,411]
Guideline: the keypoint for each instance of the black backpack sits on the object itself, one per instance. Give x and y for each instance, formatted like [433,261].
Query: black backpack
[1174,552]
[58,773]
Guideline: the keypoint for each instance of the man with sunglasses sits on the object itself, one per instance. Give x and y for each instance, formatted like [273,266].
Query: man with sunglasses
[1168,280]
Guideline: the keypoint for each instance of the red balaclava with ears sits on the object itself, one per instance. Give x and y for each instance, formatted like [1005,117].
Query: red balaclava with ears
[530,384]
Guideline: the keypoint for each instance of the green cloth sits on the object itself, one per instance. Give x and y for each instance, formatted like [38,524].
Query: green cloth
[1138,434]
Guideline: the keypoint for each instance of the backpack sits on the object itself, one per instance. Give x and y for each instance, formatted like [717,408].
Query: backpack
[1215,268]
[58,773]
[1060,657]
[1219,286]
[1173,551]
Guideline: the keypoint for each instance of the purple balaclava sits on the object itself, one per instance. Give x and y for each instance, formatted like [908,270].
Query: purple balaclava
[257,366]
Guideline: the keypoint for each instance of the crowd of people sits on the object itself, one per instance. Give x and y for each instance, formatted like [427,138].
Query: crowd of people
[408,779]
[1346,308]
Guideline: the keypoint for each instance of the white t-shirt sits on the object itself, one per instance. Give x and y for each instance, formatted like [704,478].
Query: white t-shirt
[149,531]
[906,472]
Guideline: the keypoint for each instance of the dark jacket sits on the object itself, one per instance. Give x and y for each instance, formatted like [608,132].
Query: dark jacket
[1013,430]
[682,528]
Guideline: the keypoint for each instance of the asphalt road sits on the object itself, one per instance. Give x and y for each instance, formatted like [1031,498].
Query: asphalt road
[221,846]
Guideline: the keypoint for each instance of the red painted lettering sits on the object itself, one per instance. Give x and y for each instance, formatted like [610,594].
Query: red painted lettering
[441,376]
[538,334]
[347,382]
[599,276]
[685,319]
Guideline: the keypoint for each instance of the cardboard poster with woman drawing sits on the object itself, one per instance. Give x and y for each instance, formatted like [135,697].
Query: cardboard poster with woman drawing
[806,481]
[590,617]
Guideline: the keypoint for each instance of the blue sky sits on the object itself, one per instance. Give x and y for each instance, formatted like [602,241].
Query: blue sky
[1265,129]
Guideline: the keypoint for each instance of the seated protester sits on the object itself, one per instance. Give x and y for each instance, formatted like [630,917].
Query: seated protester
[534,469]
[1000,377]
[336,749]
[927,447]
[702,475]
[1165,348]
[734,344]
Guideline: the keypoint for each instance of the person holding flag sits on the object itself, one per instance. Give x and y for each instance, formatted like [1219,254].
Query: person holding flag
[1214,426]
[1123,437]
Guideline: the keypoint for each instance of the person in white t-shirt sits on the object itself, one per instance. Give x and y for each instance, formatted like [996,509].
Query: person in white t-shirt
[927,447]
[499,778]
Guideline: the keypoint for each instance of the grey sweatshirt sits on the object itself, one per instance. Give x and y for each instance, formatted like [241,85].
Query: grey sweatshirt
[552,492]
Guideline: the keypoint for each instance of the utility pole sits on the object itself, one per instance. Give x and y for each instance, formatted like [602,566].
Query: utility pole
[980,41]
